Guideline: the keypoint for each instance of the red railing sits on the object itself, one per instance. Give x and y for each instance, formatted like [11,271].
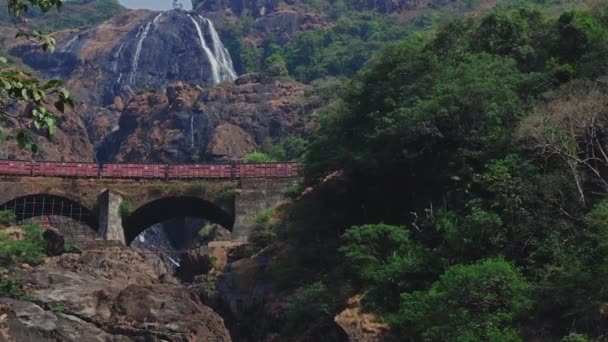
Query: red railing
[139,171]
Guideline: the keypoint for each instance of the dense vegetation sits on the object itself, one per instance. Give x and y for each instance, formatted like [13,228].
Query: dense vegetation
[471,203]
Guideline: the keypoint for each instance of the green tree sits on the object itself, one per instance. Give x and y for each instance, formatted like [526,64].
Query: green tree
[385,262]
[275,66]
[478,302]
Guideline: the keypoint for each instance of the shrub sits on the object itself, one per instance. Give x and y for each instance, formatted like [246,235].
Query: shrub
[263,230]
[309,304]
[293,191]
[58,309]
[30,250]
[227,193]
[12,288]
[7,217]
[200,187]
[258,157]
[290,149]
[126,208]
[204,233]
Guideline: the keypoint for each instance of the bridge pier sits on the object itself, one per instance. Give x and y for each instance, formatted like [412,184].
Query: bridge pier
[255,195]
[110,217]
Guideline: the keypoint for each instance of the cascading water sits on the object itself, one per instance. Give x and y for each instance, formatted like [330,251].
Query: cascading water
[192,131]
[116,55]
[221,53]
[143,34]
[215,68]
[174,63]
[69,44]
[219,58]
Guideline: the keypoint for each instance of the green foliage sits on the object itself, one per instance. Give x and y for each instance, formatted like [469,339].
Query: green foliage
[126,208]
[227,193]
[293,191]
[7,217]
[29,250]
[385,261]
[477,302]
[205,232]
[19,86]
[287,149]
[264,229]
[198,187]
[258,157]
[574,337]
[310,303]
[58,309]
[68,247]
[343,50]
[275,66]
[482,143]
[290,149]
[12,288]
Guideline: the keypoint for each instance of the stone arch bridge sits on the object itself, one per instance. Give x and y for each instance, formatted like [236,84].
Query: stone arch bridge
[118,209]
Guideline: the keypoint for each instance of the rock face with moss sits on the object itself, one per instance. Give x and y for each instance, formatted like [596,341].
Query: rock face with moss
[118,295]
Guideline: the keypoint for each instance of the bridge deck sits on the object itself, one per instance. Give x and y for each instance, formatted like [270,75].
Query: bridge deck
[149,171]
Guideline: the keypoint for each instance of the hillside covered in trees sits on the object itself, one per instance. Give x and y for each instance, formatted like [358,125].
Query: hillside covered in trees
[456,157]
[469,202]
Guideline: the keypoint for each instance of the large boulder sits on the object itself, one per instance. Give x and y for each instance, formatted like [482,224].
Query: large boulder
[55,242]
[110,295]
[230,140]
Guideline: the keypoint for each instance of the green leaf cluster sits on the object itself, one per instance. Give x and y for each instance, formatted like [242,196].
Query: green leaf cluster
[28,250]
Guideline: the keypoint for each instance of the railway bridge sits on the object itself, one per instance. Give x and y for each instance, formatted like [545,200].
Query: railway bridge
[117,202]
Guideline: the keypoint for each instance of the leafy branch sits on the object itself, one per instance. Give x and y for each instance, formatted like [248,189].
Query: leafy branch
[20,87]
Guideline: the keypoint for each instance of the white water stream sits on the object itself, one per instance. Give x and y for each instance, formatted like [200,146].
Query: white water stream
[143,34]
[219,58]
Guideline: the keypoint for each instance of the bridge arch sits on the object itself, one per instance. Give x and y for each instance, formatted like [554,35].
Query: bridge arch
[45,205]
[167,208]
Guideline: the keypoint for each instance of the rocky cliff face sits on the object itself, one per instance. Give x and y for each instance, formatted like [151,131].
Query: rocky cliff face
[148,89]
[118,295]
[189,124]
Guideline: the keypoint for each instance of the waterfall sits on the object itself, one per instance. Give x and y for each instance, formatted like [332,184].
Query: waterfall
[69,44]
[215,67]
[143,34]
[221,54]
[219,58]
[171,259]
[192,131]
[116,55]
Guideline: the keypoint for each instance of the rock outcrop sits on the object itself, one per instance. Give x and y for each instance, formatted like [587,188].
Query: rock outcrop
[360,326]
[191,124]
[70,143]
[118,295]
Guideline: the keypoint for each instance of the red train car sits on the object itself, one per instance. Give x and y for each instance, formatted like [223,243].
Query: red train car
[65,169]
[15,167]
[200,171]
[134,171]
[159,171]
[263,170]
